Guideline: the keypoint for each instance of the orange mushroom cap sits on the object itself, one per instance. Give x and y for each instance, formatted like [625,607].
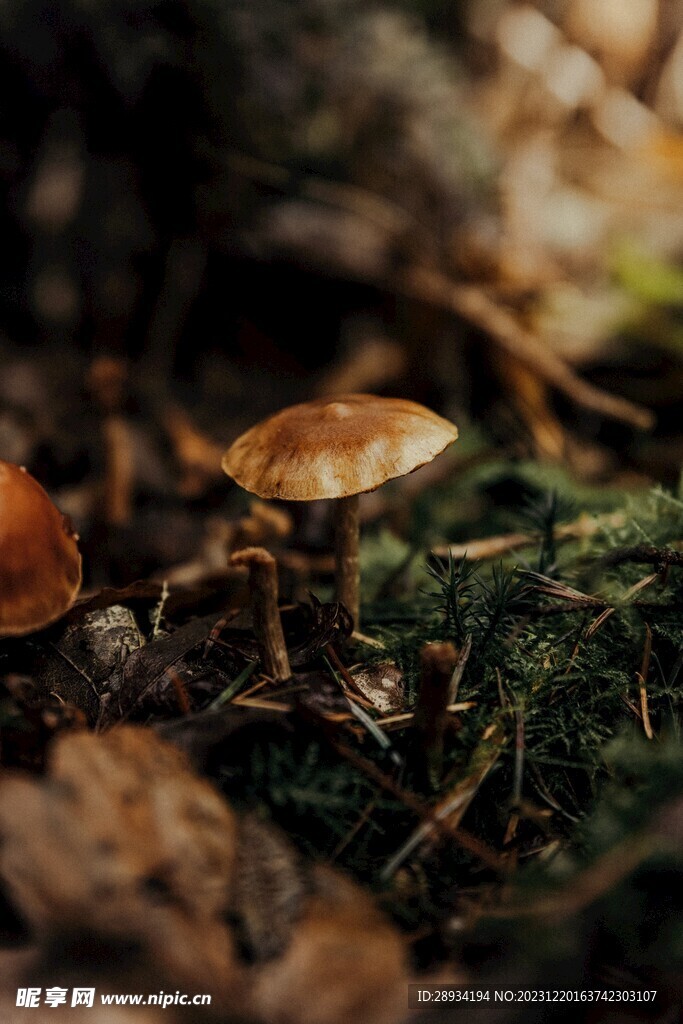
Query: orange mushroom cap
[336,447]
[40,565]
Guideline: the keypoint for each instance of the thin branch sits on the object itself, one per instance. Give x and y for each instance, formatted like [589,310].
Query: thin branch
[469,302]
[590,885]
[642,676]
[459,835]
[474,305]
[502,544]
[644,554]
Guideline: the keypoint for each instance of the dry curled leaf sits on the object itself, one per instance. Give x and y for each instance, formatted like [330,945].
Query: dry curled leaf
[145,674]
[271,889]
[121,840]
[382,684]
[308,629]
[100,642]
[122,846]
[323,952]
[344,962]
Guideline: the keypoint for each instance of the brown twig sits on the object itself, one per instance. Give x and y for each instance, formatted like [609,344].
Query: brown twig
[555,588]
[468,302]
[642,676]
[264,603]
[459,835]
[406,718]
[646,581]
[590,885]
[502,544]
[474,305]
[199,456]
[363,818]
[179,690]
[214,636]
[644,554]
[455,803]
[563,607]
[345,674]
[518,777]
[599,622]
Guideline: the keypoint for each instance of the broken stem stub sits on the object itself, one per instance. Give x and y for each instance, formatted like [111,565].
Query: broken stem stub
[431,713]
[347,561]
[263,585]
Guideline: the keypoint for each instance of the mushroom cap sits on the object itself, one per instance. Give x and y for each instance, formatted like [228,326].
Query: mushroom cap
[336,447]
[40,565]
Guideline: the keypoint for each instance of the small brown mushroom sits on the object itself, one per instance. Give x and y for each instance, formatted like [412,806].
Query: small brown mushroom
[264,605]
[40,565]
[338,448]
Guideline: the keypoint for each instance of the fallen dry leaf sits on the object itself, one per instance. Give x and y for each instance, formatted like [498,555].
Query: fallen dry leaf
[122,840]
[344,963]
[121,846]
[382,684]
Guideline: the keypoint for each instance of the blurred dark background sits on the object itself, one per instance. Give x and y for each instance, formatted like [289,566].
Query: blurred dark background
[210,210]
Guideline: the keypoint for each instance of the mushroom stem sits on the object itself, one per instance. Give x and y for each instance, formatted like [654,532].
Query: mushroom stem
[263,586]
[431,714]
[347,563]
